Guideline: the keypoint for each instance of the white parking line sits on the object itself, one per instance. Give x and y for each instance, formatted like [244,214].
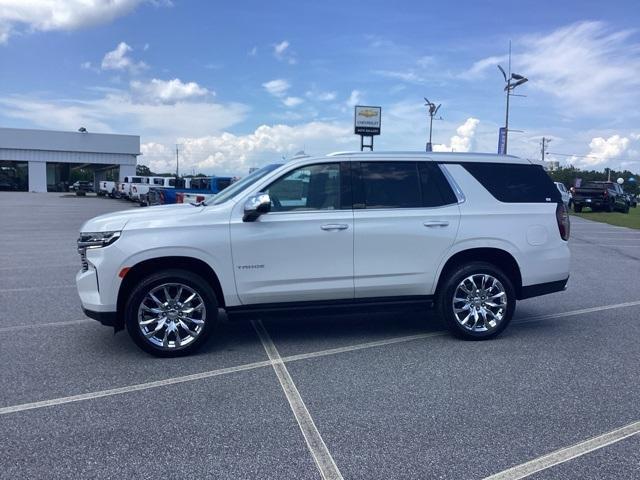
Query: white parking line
[48,324]
[582,311]
[315,443]
[28,289]
[568,453]
[603,245]
[132,388]
[250,366]
[38,266]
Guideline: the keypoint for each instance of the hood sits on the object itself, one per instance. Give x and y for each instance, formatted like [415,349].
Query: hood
[160,214]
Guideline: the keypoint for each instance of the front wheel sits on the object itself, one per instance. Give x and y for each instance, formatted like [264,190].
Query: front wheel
[476,301]
[171,313]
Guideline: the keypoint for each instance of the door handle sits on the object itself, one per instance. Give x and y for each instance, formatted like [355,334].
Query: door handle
[334,226]
[436,223]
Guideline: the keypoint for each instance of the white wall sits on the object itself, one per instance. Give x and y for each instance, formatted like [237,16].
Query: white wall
[37,177]
[127,171]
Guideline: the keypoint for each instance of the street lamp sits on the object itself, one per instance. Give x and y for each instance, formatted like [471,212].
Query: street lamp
[512,81]
[432,111]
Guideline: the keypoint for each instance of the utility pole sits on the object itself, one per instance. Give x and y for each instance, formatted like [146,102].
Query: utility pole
[177,163]
[545,143]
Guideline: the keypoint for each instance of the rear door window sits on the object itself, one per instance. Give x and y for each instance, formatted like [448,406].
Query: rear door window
[403,185]
[515,183]
[390,185]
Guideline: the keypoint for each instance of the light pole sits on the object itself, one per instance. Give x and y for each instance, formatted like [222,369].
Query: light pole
[512,80]
[432,111]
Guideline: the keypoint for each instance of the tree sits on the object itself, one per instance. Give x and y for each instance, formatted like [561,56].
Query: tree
[143,171]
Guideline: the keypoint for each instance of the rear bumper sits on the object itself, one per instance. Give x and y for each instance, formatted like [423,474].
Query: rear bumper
[543,289]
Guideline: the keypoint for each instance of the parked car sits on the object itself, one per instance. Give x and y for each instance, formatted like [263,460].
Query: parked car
[600,195]
[564,193]
[9,179]
[467,233]
[82,187]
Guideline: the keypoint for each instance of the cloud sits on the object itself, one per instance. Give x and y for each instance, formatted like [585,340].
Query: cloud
[464,140]
[229,154]
[587,66]
[118,59]
[168,92]
[292,101]
[277,87]
[17,16]
[282,52]
[602,151]
[354,99]
[319,95]
[479,68]
[253,52]
[121,111]
[406,76]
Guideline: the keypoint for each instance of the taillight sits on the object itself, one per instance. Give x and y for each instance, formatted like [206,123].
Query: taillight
[562,216]
[605,194]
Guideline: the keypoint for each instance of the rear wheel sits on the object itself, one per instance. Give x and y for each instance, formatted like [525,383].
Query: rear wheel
[577,208]
[171,313]
[477,301]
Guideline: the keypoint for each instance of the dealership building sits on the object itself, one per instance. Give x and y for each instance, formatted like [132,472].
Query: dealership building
[47,160]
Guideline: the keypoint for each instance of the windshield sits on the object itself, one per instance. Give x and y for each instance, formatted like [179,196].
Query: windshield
[242,184]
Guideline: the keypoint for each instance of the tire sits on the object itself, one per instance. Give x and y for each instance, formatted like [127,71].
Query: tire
[481,329]
[577,208]
[625,209]
[609,207]
[181,285]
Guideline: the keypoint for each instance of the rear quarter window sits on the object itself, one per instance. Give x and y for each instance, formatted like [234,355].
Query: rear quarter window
[515,183]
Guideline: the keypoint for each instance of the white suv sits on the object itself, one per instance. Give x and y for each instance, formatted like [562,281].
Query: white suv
[467,233]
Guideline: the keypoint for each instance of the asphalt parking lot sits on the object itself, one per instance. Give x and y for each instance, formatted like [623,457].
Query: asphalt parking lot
[385,395]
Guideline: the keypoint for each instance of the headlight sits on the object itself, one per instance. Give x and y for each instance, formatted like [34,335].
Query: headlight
[97,239]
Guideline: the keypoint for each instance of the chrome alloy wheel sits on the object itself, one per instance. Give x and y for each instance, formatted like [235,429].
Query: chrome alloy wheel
[171,316]
[480,302]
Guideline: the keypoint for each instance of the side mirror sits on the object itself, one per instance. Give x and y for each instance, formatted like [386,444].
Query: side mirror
[256,206]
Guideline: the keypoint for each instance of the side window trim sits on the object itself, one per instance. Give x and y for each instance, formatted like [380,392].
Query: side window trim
[457,191]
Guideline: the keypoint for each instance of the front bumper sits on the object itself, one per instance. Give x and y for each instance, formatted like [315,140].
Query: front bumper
[109,319]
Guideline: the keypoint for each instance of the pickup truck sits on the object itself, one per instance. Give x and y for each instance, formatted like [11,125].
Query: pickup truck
[106,187]
[188,190]
[140,192]
[599,195]
[125,187]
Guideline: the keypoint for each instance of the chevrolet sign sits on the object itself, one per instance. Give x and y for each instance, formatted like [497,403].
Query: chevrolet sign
[367,120]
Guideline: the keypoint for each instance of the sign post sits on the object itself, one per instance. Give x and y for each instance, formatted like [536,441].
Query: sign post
[367,123]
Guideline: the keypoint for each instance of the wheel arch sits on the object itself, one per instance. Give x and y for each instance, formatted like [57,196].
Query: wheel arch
[149,266]
[496,256]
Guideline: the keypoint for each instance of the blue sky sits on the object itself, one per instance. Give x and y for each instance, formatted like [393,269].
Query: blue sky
[238,84]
